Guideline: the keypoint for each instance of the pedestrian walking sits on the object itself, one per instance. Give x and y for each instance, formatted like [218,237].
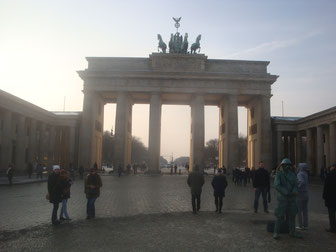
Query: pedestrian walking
[219,184]
[329,196]
[286,185]
[39,170]
[92,190]
[175,168]
[10,174]
[120,169]
[81,172]
[54,192]
[303,196]
[72,171]
[261,184]
[30,169]
[195,182]
[65,183]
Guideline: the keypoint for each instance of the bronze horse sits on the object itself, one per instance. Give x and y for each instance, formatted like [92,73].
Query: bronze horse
[162,44]
[196,45]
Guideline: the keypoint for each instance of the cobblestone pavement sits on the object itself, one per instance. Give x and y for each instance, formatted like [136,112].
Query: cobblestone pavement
[147,214]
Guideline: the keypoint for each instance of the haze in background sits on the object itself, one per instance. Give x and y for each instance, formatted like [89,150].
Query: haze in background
[44,43]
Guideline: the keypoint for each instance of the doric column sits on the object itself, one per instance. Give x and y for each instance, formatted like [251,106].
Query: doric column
[51,149]
[292,148]
[123,131]
[72,144]
[20,144]
[298,148]
[86,131]
[319,149]
[197,132]
[309,135]
[6,145]
[154,133]
[332,143]
[265,139]
[32,141]
[42,141]
[279,147]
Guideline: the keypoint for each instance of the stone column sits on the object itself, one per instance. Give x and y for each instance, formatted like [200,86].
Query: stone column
[309,135]
[292,148]
[319,150]
[279,147]
[7,144]
[154,133]
[332,143]
[197,132]
[72,144]
[42,142]
[32,141]
[87,131]
[265,132]
[298,148]
[20,155]
[51,149]
[123,131]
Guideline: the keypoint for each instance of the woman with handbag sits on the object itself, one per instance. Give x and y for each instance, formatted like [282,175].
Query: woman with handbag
[65,183]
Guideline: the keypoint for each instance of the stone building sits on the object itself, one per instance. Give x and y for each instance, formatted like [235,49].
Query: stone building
[310,139]
[29,133]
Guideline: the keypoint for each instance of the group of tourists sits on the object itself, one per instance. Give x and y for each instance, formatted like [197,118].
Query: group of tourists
[59,184]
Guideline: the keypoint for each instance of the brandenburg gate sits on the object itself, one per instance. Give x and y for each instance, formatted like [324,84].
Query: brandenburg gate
[179,78]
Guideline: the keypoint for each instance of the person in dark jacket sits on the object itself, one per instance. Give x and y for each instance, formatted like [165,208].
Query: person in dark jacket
[329,196]
[261,186]
[10,173]
[195,182]
[54,192]
[303,196]
[219,183]
[92,190]
[65,183]
[81,171]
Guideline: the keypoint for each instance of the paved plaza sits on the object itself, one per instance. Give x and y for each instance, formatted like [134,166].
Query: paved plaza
[145,213]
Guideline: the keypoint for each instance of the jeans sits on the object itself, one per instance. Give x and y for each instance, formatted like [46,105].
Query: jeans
[219,202]
[196,199]
[90,207]
[332,221]
[302,205]
[263,192]
[64,209]
[54,212]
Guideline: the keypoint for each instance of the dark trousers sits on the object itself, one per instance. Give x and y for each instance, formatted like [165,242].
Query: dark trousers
[332,221]
[90,207]
[54,212]
[196,201]
[263,192]
[219,202]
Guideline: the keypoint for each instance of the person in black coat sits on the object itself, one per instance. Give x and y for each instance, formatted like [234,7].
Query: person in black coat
[219,183]
[10,172]
[261,184]
[54,192]
[329,196]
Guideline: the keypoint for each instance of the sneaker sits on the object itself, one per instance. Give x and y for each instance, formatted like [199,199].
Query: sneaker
[299,228]
[62,219]
[276,236]
[55,223]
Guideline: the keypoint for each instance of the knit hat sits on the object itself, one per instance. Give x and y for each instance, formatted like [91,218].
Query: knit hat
[56,167]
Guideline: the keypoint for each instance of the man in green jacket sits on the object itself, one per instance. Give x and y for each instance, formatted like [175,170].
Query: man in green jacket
[286,186]
[195,182]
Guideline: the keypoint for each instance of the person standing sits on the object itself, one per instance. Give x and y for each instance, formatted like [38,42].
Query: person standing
[92,190]
[286,185]
[10,173]
[29,169]
[54,192]
[302,197]
[65,183]
[39,170]
[195,182]
[219,184]
[261,186]
[329,196]
[81,171]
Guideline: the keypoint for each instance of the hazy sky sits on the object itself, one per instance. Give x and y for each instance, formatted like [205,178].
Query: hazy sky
[43,43]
